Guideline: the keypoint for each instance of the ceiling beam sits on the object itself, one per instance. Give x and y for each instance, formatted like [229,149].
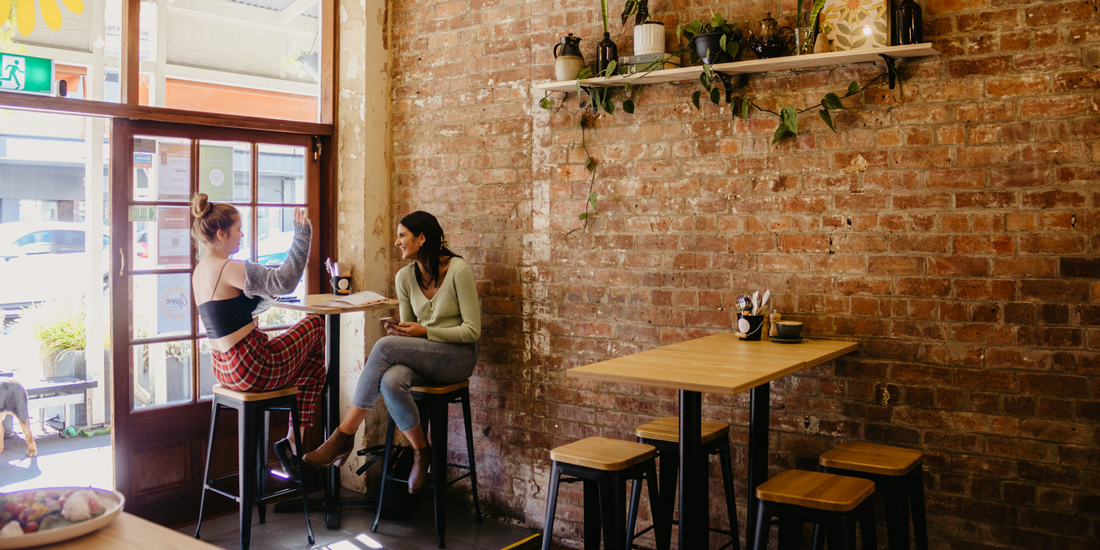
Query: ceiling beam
[296,8]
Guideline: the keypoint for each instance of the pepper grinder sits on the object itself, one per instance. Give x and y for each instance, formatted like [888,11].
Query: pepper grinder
[773,319]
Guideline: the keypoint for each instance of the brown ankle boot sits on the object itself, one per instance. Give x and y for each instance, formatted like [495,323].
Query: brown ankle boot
[332,452]
[419,477]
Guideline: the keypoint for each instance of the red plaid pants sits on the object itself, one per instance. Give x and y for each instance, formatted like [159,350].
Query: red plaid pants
[260,362]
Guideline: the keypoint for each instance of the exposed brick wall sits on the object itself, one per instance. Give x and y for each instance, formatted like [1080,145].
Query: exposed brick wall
[954,233]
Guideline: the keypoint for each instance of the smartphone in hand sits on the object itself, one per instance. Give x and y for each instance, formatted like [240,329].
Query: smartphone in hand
[388,321]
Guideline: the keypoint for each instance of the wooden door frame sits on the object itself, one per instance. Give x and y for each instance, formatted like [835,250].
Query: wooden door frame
[189,421]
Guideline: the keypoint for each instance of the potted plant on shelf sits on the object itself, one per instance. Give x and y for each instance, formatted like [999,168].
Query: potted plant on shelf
[649,36]
[59,328]
[716,41]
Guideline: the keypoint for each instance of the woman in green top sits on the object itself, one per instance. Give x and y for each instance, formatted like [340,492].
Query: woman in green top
[435,342]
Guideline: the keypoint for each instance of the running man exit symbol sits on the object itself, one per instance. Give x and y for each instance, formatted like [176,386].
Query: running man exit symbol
[13,72]
[23,73]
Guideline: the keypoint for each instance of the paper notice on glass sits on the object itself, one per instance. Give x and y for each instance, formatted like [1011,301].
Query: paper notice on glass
[173,303]
[173,236]
[174,172]
[216,172]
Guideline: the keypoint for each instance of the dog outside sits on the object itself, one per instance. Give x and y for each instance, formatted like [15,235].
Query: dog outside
[34,453]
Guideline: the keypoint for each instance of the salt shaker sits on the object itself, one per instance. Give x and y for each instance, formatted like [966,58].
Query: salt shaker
[774,318]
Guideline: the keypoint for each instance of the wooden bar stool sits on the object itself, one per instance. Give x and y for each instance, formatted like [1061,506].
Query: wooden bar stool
[898,474]
[799,496]
[604,465]
[252,452]
[433,402]
[664,434]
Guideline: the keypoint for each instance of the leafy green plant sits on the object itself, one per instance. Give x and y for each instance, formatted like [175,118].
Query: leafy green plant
[638,8]
[58,325]
[591,165]
[811,20]
[730,41]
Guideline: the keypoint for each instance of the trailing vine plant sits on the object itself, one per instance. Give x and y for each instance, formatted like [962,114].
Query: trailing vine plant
[590,165]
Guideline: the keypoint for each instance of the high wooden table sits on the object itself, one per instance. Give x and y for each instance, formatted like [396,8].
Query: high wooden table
[721,363]
[331,501]
[129,532]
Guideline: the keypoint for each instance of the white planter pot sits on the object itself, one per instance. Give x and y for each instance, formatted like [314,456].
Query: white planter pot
[649,38]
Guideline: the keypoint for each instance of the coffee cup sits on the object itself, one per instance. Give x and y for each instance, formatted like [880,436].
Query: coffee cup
[789,329]
[341,286]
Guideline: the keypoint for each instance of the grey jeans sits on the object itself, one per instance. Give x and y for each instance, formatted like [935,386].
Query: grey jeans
[399,362]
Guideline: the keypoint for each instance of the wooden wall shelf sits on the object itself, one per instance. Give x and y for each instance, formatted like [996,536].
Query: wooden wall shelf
[810,61]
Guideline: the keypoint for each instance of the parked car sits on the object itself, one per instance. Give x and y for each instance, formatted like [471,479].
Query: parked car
[43,261]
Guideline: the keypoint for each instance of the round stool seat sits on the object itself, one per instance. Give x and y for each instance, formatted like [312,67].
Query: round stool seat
[440,389]
[601,453]
[816,490]
[668,429]
[872,459]
[255,395]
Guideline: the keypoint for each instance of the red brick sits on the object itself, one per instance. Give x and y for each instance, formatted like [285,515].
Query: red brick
[1020,176]
[979,66]
[1024,266]
[940,288]
[956,178]
[895,265]
[1053,199]
[984,332]
[933,157]
[1051,243]
[1002,199]
[1054,290]
[1060,13]
[958,265]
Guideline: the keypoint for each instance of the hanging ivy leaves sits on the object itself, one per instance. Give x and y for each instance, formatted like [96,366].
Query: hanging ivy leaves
[790,118]
[832,101]
[592,199]
[827,118]
[628,107]
[715,95]
[853,88]
[695,99]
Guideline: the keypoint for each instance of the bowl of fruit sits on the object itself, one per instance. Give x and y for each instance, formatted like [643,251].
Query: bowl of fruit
[46,516]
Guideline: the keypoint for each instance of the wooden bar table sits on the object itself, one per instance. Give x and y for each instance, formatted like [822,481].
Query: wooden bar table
[724,364]
[309,304]
[129,532]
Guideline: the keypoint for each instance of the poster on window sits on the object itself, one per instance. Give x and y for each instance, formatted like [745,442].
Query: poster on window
[173,236]
[173,303]
[174,172]
[216,172]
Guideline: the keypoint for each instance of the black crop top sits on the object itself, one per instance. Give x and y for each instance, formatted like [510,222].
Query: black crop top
[224,317]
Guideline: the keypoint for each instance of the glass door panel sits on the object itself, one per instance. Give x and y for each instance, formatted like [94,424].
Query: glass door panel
[225,170]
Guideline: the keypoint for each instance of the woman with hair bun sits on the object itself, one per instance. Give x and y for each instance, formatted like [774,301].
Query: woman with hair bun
[434,342]
[231,293]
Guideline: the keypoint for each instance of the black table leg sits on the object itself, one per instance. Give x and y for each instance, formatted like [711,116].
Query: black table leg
[759,400]
[332,417]
[330,501]
[694,516]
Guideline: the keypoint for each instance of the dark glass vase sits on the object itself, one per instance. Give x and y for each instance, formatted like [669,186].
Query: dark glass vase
[606,52]
[907,23]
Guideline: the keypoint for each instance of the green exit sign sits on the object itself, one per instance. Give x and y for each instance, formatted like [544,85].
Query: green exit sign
[23,73]
[143,213]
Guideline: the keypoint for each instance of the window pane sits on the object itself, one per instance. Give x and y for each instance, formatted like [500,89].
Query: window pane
[161,305]
[244,58]
[162,373]
[224,171]
[277,317]
[164,242]
[282,174]
[206,371]
[276,233]
[162,169]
